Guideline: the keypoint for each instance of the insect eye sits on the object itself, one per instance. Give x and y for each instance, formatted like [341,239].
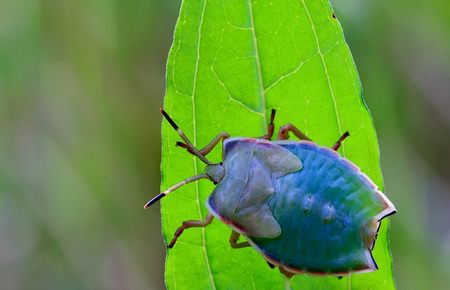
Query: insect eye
[221,163]
[215,182]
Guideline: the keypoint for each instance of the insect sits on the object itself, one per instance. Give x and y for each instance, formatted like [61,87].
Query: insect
[301,205]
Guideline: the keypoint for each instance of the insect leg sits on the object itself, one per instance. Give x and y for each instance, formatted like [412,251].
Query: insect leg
[286,273]
[190,224]
[209,147]
[234,241]
[338,143]
[283,133]
[270,127]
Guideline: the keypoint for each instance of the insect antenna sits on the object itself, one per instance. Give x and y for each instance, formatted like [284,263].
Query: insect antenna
[175,187]
[188,143]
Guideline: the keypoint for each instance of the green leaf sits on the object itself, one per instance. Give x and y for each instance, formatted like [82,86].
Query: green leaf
[230,63]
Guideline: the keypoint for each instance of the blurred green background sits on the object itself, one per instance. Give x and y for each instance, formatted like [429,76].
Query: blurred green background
[81,83]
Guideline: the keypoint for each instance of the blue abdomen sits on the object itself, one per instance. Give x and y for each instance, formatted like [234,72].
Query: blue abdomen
[326,212]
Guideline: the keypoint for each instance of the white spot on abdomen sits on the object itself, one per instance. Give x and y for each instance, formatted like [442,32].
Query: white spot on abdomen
[308,201]
[328,212]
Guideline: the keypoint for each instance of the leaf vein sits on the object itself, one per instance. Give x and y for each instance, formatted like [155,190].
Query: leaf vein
[177,46]
[230,97]
[229,94]
[228,20]
[294,71]
[258,63]
[326,73]
[194,87]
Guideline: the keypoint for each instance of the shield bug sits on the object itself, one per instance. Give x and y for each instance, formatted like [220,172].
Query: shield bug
[301,205]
